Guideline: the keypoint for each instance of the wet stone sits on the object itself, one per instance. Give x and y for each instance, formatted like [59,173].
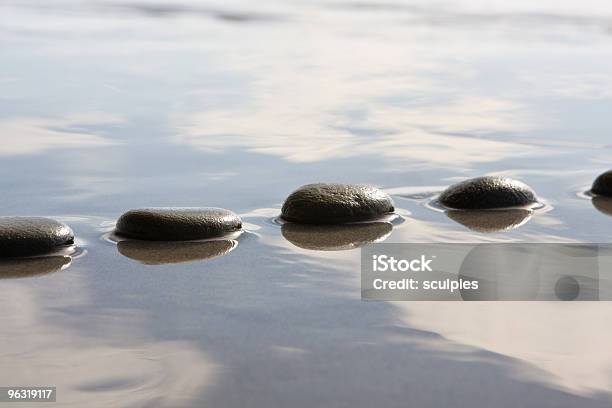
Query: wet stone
[32,236]
[488,192]
[603,184]
[336,204]
[177,224]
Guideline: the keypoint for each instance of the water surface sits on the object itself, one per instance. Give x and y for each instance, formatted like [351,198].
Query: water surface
[107,106]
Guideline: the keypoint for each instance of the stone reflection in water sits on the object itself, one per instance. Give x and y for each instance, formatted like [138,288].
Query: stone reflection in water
[336,237]
[30,267]
[603,204]
[160,253]
[491,220]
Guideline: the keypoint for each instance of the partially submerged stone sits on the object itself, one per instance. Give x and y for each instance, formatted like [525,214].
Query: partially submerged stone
[336,204]
[177,224]
[335,237]
[30,267]
[160,253]
[31,236]
[487,193]
[491,220]
[603,184]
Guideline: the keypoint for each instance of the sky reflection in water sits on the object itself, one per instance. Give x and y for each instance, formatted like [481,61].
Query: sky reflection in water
[107,106]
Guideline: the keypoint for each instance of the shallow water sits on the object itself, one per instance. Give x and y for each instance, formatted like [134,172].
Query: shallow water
[107,106]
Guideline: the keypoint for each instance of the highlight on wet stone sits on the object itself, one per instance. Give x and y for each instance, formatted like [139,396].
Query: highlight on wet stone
[335,237]
[489,192]
[177,223]
[602,185]
[336,204]
[491,220]
[31,267]
[32,236]
[161,253]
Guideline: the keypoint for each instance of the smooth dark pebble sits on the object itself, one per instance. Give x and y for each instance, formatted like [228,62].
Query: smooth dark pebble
[603,184]
[336,204]
[31,236]
[160,253]
[177,224]
[486,193]
[335,237]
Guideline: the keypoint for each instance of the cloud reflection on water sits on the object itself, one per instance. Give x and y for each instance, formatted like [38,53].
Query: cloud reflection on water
[38,349]
[337,113]
[35,135]
[570,341]
[545,343]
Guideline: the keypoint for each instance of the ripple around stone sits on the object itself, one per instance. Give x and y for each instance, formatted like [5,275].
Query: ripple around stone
[602,185]
[32,236]
[335,237]
[160,253]
[177,224]
[488,192]
[491,220]
[30,267]
[336,204]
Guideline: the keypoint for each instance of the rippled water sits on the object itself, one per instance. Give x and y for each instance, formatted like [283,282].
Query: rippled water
[106,106]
